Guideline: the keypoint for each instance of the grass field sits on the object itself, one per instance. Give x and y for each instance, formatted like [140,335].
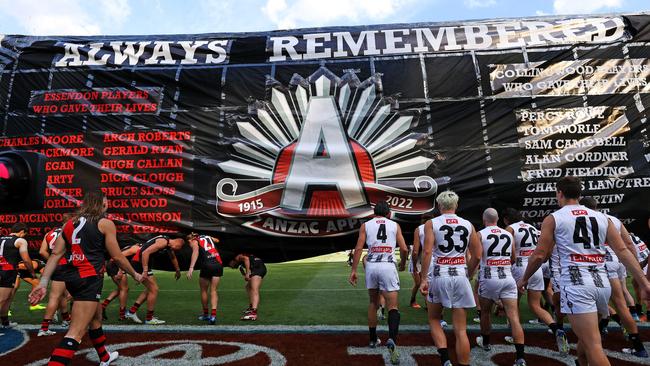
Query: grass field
[308,292]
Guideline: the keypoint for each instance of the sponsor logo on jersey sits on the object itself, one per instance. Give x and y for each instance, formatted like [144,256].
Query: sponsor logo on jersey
[378,249]
[495,231]
[450,260]
[579,212]
[526,253]
[451,221]
[587,258]
[498,262]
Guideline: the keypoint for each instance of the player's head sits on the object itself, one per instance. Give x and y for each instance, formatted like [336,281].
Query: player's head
[191,236]
[68,216]
[568,188]
[511,215]
[19,229]
[490,217]
[176,243]
[447,201]
[94,206]
[589,202]
[382,209]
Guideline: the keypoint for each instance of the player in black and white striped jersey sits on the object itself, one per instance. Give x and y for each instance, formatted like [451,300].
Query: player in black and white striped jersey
[381,235]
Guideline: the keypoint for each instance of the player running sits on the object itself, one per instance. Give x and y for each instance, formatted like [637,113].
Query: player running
[579,234]
[13,248]
[496,282]
[87,238]
[617,280]
[525,241]
[141,261]
[447,240]
[58,294]
[381,235]
[205,247]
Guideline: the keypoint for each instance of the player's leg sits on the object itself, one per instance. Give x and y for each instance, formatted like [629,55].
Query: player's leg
[477,319]
[255,283]
[132,312]
[57,290]
[414,291]
[373,303]
[459,318]
[637,308]
[5,302]
[124,295]
[98,339]
[214,297]
[82,313]
[204,283]
[625,318]
[512,312]
[535,306]
[152,296]
[486,322]
[437,333]
[393,321]
[590,348]
[111,296]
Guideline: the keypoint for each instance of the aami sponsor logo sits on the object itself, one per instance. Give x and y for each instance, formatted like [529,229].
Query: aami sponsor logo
[588,258]
[495,231]
[579,212]
[451,221]
[450,260]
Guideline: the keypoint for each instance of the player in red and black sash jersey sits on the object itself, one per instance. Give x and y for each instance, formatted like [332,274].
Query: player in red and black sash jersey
[13,248]
[87,238]
[58,298]
[253,269]
[141,262]
[205,247]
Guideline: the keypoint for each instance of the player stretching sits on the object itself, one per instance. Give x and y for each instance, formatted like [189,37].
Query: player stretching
[580,234]
[447,238]
[525,236]
[205,247]
[253,269]
[496,283]
[381,235]
[87,237]
[617,279]
[141,261]
[13,247]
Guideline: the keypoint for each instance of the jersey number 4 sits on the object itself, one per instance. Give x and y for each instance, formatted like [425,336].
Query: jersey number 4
[381,233]
[581,234]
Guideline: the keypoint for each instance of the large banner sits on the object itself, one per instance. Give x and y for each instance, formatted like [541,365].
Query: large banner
[280,143]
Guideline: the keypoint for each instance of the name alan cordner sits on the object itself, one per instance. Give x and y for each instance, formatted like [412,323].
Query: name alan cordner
[339,44]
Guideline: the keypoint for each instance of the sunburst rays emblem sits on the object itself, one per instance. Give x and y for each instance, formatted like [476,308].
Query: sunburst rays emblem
[326,149]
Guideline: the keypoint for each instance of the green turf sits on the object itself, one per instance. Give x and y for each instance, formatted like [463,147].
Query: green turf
[297,293]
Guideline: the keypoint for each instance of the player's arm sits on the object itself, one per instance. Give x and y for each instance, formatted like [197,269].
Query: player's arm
[403,249]
[158,245]
[172,257]
[626,257]
[38,293]
[107,227]
[358,249]
[545,245]
[132,250]
[43,250]
[24,254]
[415,251]
[475,250]
[429,241]
[194,244]
[627,239]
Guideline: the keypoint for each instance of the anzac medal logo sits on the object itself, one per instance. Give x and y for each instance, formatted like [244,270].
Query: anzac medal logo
[325,150]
